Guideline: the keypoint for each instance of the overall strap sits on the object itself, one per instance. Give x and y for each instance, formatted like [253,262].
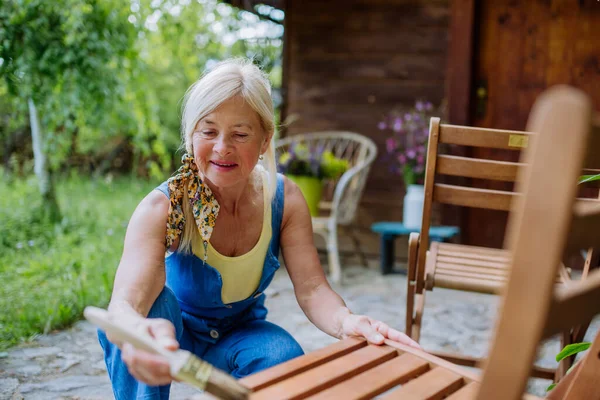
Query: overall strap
[277,214]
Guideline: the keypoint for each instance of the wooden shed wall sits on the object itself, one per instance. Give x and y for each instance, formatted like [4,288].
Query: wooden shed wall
[347,63]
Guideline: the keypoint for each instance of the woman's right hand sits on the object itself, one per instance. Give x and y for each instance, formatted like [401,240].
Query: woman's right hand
[146,367]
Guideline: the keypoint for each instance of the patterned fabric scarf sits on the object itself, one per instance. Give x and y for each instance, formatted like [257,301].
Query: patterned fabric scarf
[204,205]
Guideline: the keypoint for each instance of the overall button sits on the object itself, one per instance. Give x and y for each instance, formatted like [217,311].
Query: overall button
[214,334]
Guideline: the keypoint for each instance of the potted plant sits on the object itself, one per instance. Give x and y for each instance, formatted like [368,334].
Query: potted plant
[308,167]
[406,151]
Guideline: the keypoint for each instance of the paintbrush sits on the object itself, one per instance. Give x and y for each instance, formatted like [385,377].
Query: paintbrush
[185,366]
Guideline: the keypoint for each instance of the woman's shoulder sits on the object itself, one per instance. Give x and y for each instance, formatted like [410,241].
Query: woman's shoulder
[156,203]
[294,199]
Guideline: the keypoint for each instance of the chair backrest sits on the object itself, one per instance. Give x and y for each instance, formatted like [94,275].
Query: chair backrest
[476,171]
[344,193]
[547,223]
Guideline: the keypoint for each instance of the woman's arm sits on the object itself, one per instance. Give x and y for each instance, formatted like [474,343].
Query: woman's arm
[323,306]
[141,273]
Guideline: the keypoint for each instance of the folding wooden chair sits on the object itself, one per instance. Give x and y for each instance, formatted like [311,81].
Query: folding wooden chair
[464,267]
[547,223]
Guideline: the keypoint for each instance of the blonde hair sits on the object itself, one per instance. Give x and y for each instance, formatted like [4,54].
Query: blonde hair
[230,78]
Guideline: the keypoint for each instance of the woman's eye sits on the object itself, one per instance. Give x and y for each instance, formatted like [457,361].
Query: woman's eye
[208,133]
[241,135]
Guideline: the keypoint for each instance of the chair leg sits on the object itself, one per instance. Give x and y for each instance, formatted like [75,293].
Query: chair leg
[411,274]
[357,250]
[420,306]
[410,307]
[335,269]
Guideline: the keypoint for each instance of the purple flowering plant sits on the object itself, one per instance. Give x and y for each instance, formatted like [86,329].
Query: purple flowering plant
[406,145]
[313,161]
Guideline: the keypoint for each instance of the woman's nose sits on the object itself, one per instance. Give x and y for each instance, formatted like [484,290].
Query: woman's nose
[222,146]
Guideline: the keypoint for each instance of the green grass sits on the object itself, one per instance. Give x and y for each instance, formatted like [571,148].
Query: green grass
[50,272]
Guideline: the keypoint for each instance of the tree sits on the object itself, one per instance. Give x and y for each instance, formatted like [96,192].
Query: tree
[65,60]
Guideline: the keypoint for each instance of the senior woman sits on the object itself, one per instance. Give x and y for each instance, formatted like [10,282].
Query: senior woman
[202,248]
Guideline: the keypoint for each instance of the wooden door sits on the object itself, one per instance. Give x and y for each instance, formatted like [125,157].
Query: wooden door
[521,48]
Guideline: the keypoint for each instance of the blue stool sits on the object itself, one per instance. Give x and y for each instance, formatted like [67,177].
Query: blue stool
[390,230]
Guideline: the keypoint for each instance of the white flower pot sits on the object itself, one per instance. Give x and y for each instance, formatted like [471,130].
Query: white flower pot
[413,206]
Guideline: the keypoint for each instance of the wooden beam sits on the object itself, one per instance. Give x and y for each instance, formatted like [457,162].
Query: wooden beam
[460,61]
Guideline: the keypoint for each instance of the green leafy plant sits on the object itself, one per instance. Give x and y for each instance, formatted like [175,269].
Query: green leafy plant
[588,178]
[568,351]
[301,160]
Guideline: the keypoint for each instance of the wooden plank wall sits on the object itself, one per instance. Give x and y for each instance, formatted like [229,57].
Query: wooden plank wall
[348,63]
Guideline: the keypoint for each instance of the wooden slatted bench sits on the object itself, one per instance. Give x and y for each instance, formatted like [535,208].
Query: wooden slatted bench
[352,369]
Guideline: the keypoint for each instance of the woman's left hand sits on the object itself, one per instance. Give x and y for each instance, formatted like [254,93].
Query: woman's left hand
[374,331]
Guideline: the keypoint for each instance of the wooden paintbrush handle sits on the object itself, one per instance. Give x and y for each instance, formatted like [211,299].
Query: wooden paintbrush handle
[121,331]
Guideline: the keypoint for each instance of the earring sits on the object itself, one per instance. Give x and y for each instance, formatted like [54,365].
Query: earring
[261,157]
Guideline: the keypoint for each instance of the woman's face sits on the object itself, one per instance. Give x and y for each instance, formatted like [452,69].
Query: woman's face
[228,142]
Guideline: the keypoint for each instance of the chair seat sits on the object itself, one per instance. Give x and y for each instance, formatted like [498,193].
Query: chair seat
[471,268]
[353,369]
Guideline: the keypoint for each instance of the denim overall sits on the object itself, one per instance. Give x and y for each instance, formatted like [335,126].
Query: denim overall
[233,337]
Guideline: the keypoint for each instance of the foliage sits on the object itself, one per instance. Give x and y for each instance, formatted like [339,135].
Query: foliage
[406,145]
[49,272]
[109,75]
[301,160]
[568,351]
[589,178]
[70,57]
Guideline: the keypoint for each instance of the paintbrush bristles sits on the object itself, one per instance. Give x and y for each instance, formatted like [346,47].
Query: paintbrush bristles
[188,368]
[226,387]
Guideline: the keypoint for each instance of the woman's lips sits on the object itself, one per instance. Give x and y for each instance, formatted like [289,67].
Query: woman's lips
[223,164]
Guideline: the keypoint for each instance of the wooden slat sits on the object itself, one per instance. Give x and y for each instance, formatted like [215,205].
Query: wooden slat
[473,249]
[298,365]
[468,284]
[469,361]
[473,269]
[475,273]
[574,303]
[376,380]
[326,375]
[472,197]
[435,384]
[467,374]
[474,256]
[442,274]
[473,262]
[482,137]
[468,392]
[477,168]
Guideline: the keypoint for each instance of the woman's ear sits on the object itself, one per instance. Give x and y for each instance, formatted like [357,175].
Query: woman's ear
[266,142]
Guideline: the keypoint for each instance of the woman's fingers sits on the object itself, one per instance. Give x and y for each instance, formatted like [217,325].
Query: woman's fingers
[365,328]
[163,331]
[376,331]
[146,367]
[398,336]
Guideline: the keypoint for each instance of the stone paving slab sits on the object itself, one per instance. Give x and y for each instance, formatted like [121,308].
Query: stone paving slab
[69,364]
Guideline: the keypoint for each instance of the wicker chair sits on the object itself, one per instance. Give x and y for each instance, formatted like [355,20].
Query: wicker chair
[341,196]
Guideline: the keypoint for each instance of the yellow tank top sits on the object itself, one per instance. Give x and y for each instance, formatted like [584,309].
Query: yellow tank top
[241,275]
